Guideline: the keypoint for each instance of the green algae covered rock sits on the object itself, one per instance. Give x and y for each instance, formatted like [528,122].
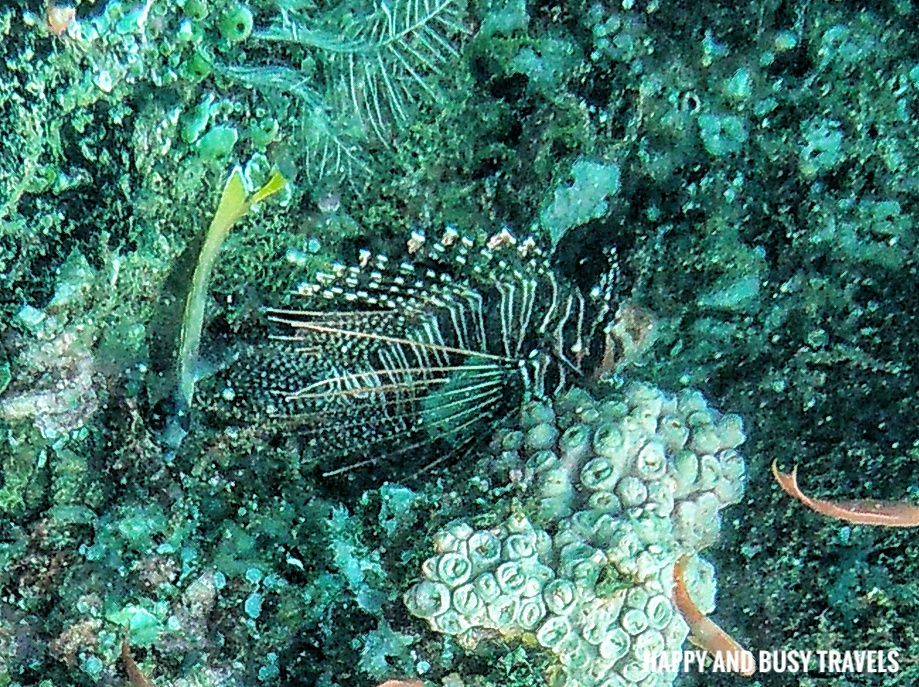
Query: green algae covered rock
[584,199]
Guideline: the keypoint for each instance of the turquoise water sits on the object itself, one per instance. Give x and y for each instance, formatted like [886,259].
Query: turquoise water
[546,290]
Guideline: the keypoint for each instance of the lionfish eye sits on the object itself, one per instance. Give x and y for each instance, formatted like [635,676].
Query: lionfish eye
[391,356]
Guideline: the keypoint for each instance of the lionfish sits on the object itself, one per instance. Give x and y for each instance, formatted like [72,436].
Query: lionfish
[397,355]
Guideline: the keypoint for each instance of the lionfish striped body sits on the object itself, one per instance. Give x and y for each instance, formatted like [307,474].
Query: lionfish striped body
[436,348]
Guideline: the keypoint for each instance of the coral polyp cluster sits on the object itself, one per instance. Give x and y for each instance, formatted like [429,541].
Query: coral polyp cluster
[617,489]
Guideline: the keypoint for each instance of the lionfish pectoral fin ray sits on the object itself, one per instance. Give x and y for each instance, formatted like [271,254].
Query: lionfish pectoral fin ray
[330,385]
[325,314]
[491,399]
[351,467]
[445,427]
[423,379]
[350,333]
[464,403]
[455,450]
[405,449]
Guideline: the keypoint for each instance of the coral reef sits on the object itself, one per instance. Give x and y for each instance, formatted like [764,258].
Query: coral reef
[618,489]
[53,385]
[751,164]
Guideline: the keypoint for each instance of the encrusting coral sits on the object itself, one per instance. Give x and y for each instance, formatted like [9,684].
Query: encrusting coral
[616,490]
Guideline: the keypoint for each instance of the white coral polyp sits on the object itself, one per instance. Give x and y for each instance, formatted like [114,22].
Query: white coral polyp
[626,487]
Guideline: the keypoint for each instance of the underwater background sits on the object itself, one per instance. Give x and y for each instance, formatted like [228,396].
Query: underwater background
[739,178]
